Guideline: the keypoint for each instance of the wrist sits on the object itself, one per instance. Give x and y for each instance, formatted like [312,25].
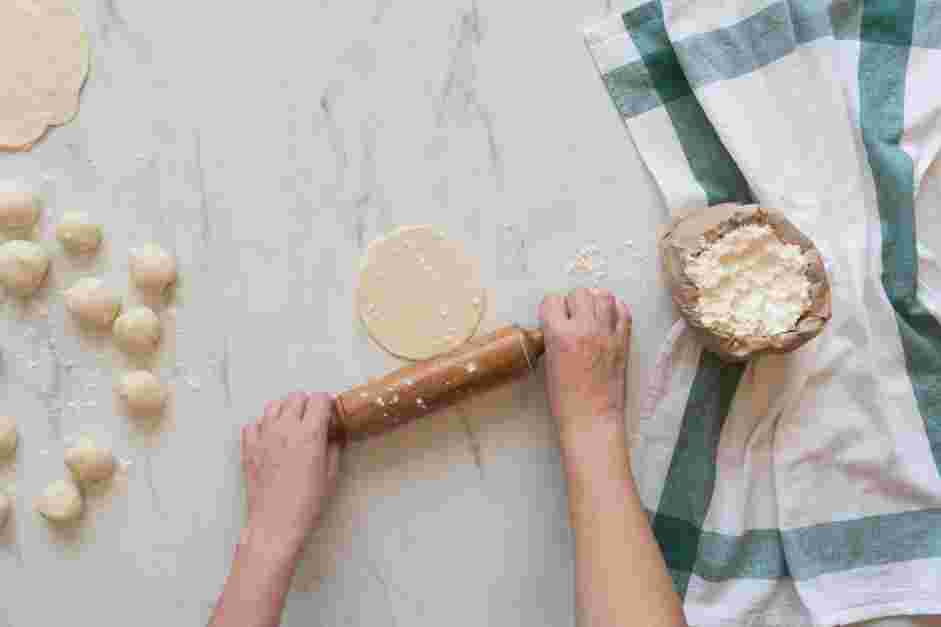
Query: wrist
[595,446]
[272,550]
[585,436]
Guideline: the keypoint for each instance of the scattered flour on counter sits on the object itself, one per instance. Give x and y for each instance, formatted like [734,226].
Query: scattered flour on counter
[589,262]
[512,254]
[631,263]
[182,372]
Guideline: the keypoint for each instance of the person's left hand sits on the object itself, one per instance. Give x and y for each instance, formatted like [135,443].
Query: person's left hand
[290,469]
[587,339]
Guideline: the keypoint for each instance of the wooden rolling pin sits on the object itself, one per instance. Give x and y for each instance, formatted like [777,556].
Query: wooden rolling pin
[419,389]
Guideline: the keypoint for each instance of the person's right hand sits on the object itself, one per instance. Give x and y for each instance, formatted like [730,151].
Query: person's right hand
[290,469]
[587,335]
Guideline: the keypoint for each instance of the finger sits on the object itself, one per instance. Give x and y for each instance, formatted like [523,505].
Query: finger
[625,322]
[294,407]
[319,413]
[606,310]
[272,413]
[250,435]
[581,305]
[552,312]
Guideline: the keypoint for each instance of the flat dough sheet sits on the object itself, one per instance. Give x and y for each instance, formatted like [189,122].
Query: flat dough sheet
[419,293]
[45,61]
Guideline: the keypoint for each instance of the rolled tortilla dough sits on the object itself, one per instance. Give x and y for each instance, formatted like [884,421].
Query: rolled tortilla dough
[45,62]
[419,293]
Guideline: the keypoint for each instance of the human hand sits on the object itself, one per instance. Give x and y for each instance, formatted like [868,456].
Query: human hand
[290,469]
[587,336]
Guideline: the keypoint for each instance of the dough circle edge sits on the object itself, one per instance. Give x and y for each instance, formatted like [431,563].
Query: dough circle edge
[58,106]
[477,295]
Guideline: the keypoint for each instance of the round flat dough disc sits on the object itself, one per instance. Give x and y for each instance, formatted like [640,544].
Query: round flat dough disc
[419,294]
[45,61]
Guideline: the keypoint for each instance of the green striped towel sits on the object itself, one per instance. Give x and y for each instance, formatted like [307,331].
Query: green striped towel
[802,489]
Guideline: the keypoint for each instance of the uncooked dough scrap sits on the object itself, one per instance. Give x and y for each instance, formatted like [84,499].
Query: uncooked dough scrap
[92,303]
[23,266]
[137,331]
[152,268]
[78,234]
[142,393]
[88,462]
[62,502]
[419,293]
[20,208]
[45,61]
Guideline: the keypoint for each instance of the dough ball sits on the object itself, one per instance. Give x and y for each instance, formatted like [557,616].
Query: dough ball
[6,506]
[137,331]
[152,268]
[23,266]
[8,436]
[92,303]
[61,502]
[419,293]
[19,210]
[78,234]
[88,462]
[142,393]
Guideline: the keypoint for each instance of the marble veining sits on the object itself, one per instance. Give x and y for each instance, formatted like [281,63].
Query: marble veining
[334,135]
[112,20]
[148,472]
[225,375]
[472,440]
[205,230]
[45,359]
[459,98]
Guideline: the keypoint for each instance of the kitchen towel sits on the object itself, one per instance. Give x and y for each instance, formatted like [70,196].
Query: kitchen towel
[801,489]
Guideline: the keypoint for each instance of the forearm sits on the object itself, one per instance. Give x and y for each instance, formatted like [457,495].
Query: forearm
[621,578]
[257,586]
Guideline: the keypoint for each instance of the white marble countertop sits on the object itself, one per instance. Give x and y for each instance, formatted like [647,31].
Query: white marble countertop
[265,144]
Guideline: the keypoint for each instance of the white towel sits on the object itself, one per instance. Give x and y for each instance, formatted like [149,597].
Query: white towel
[802,489]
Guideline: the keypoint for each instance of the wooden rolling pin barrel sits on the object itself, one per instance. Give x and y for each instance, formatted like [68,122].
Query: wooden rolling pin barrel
[419,389]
